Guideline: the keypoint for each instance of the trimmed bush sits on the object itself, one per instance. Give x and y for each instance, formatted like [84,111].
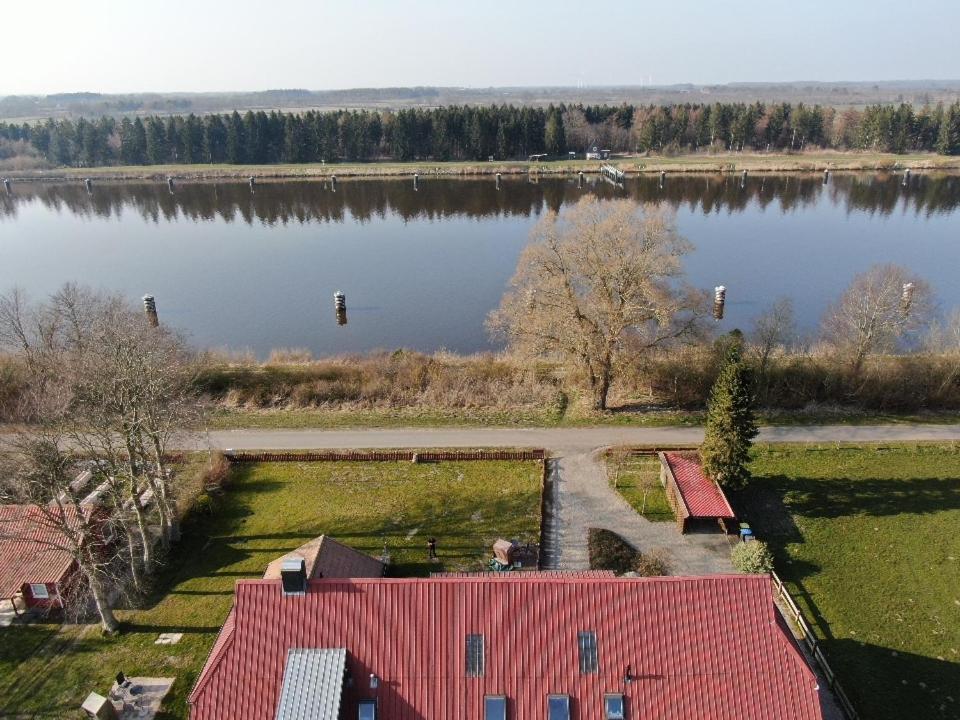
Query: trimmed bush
[609,551]
[753,558]
[652,565]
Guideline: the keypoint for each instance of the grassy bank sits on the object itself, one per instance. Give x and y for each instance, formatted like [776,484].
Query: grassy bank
[46,671]
[866,539]
[343,419]
[694,163]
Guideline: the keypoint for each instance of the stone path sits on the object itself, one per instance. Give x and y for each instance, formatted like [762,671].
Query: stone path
[582,498]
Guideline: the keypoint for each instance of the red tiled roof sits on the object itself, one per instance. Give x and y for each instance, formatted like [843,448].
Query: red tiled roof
[529,574]
[702,496]
[698,647]
[326,557]
[29,551]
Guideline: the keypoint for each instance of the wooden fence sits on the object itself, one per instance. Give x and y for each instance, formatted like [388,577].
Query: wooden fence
[385,456]
[813,645]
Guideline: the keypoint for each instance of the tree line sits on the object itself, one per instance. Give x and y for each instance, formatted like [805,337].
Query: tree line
[467,133]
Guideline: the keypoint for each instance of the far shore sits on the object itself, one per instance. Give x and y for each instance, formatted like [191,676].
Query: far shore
[801,162]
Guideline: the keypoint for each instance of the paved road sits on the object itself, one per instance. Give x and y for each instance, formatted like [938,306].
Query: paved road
[559,439]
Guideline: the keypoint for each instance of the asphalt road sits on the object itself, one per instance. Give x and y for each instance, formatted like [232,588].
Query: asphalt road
[557,439]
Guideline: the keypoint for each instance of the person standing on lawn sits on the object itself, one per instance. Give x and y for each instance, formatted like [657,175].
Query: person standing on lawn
[432,548]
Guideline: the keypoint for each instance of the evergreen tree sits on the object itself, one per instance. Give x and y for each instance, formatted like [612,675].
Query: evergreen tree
[554,135]
[236,140]
[949,141]
[139,143]
[157,148]
[731,425]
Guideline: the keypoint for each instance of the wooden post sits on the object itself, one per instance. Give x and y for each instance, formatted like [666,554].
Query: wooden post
[150,308]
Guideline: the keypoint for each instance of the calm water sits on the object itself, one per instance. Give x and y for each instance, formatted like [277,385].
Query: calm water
[421,269]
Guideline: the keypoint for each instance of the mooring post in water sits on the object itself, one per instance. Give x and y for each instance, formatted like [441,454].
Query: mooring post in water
[150,308]
[6,186]
[340,307]
[89,184]
[743,179]
[416,181]
[826,175]
[498,181]
[906,177]
[253,181]
[170,185]
[719,300]
[906,298]
[663,176]
[333,183]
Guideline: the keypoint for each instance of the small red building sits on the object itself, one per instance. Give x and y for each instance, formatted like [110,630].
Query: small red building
[35,570]
[695,498]
[515,646]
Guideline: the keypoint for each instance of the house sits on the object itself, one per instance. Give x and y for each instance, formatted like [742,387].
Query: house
[594,154]
[518,645]
[324,557]
[34,569]
[696,500]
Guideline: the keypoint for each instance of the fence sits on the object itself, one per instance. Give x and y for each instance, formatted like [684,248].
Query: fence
[810,640]
[385,456]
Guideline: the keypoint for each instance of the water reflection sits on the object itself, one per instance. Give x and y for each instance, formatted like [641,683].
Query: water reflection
[421,266]
[285,202]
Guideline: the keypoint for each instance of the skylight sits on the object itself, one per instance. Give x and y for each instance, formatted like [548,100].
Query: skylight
[474,655]
[587,644]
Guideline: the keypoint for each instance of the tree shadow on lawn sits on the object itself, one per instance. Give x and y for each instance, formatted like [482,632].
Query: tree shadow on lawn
[840,497]
[885,684]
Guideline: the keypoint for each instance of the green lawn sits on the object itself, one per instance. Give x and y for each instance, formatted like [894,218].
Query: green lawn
[269,510]
[636,474]
[868,540]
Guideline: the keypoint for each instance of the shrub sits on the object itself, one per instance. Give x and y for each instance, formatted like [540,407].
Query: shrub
[753,558]
[216,474]
[609,551]
[652,565]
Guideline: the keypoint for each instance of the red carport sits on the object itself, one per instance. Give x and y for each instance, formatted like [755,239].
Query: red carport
[695,498]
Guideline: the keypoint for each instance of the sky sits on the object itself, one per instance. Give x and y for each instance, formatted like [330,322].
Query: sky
[115,46]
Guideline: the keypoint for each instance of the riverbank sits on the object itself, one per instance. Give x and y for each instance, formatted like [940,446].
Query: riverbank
[632,165]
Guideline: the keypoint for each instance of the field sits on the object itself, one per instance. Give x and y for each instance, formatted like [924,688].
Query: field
[698,162]
[269,510]
[634,474]
[867,541]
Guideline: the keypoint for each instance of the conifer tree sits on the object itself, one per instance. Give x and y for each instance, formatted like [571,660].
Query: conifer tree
[555,137]
[731,425]
[949,141]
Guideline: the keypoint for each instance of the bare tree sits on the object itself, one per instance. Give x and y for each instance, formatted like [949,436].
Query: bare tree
[773,329]
[122,389]
[598,277]
[39,477]
[880,310]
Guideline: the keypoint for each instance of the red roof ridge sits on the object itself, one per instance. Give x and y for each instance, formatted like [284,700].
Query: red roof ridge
[549,579]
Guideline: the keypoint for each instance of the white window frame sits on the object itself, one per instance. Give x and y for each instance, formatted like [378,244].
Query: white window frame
[39,591]
[623,707]
[372,704]
[566,700]
[487,699]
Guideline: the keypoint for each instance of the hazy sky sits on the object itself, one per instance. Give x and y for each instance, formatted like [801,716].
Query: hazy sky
[202,45]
